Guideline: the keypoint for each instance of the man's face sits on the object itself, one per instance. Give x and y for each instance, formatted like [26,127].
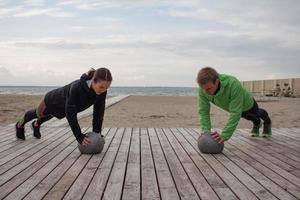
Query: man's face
[210,88]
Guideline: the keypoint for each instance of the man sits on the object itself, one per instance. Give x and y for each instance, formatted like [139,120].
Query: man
[226,92]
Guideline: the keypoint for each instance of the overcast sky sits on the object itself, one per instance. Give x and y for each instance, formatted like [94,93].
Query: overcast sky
[147,42]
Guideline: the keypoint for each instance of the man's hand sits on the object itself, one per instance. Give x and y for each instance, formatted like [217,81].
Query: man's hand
[215,135]
[86,140]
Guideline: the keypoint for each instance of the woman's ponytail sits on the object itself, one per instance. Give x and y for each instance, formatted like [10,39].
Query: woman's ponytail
[90,73]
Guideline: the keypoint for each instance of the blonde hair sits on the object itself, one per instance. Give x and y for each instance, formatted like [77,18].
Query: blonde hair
[206,75]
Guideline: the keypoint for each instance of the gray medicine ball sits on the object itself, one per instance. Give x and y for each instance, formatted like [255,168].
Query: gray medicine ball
[207,144]
[96,145]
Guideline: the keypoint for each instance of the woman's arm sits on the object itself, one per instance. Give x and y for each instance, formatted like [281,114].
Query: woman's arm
[71,114]
[98,114]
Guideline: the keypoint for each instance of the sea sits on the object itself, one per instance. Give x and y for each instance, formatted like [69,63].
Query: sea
[113,91]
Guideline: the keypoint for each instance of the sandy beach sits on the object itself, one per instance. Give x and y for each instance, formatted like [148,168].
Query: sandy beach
[157,111]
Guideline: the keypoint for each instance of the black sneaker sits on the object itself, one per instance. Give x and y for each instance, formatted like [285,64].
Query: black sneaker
[20,132]
[36,130]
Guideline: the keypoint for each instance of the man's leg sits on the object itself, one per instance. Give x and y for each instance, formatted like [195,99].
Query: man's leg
[253,116]
[267,131]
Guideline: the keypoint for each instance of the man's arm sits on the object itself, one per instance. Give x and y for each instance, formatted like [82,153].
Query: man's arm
[204,111]
[235,110]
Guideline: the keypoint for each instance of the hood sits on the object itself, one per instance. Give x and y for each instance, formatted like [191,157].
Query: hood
[83,80]
[224,79]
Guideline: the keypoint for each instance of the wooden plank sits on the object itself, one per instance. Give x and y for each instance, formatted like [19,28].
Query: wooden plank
[248,181]
[62,186]
[295,131]
[285,184]
[25,157]
[167,187]
[287,133]
[5,130]
[10,139]
[82,180]
[223,191]
[267,148]
[68,153]
[43,186]
[148,174]
[114,187]
[27,164]
[239,189]
[7,135]
[286,142]
[79,186]
[202,187]
[271,147]
[21,147]
[258,176]
[270,152]
[98,183]
[13,183]
[292,178]
[185,187]
[132,184]
[10,135]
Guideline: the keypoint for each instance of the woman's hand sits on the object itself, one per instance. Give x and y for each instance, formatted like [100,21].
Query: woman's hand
[85,140]
[217,137]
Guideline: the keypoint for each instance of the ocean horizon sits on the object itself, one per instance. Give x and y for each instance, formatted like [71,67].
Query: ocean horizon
[113,91]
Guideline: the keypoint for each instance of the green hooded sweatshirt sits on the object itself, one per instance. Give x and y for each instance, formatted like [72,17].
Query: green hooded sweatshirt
[232,97]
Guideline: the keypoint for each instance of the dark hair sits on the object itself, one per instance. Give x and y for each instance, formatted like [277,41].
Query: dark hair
[100,74]
[206,75]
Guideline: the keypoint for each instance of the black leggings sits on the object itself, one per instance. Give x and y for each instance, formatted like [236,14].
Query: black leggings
[40,113]
[255,114]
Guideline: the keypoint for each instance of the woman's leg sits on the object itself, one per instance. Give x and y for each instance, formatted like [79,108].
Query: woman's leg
[28,116]
[43,116]
[40,113]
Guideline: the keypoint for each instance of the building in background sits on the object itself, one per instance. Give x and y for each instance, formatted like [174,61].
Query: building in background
[275,87]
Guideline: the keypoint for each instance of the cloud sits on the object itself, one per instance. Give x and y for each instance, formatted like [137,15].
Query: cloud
[46,12]
[9,11]
[149,42]
[35,2]
[32,8]
[6,77]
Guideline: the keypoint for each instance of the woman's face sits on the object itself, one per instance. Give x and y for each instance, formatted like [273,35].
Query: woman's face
[100,86]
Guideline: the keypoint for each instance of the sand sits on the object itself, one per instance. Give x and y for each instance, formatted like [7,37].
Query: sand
[13,107]
[158,111]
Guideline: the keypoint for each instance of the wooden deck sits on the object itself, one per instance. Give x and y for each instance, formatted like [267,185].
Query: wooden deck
[150,163]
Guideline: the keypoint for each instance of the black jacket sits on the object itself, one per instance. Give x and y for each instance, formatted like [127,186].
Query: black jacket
[75,97]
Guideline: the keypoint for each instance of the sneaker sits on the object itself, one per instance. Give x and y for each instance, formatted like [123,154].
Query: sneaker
[20,132]
[36,130]
[255,130]
[267,131]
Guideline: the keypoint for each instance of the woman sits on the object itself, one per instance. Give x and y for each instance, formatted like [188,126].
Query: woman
[67,101]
